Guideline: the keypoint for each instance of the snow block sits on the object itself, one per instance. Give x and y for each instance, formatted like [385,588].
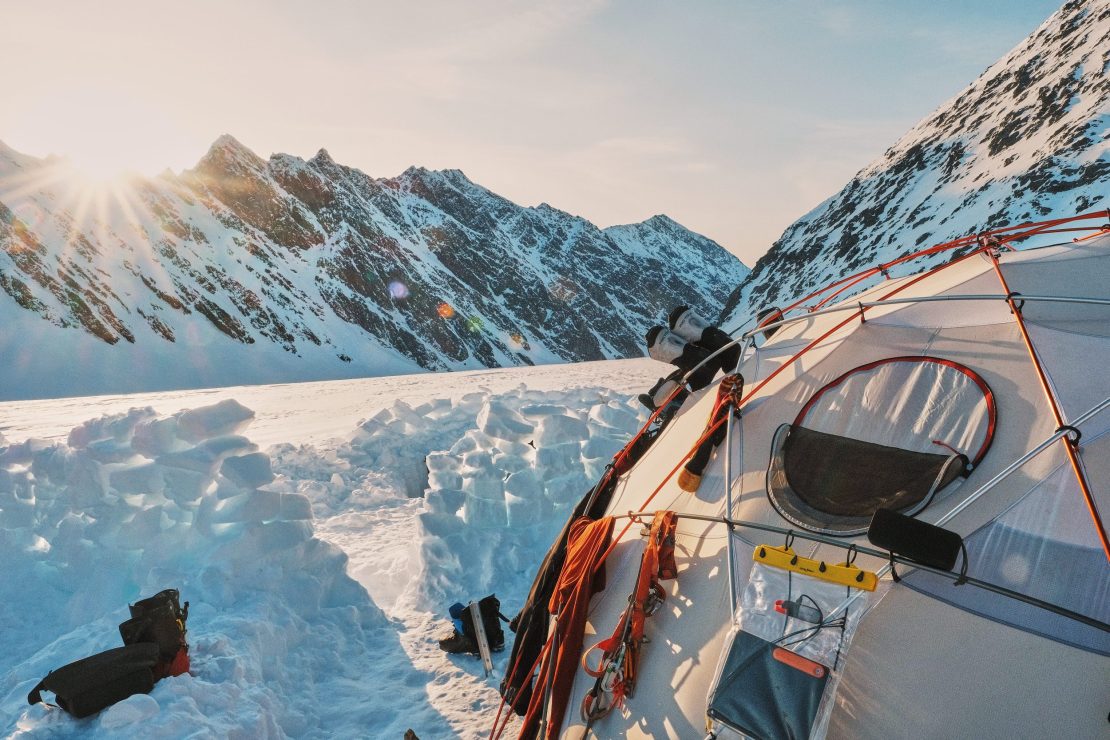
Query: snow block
[145,478]
[145,526]
[558,459]
[566,489]
[521,512]
[445,479]
[206,456]
[183,485]
[602,446]
[440,525]
[481,512]
[117,427]
[52,465]
[438,461]
[615,415]
[294,506]
[17,514]
[484,483]
[109,451]
[444,501]
[498,421]
[560,429]
[248,471]
[24,452]
[156,437]
[540,410]
[510,463]
[224,418]
[256,506]
[478,459]
[524,484]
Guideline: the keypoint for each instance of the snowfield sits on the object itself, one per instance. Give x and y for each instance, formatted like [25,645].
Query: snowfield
[318,530]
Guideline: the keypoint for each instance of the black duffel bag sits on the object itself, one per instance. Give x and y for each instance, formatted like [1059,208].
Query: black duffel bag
[91,684]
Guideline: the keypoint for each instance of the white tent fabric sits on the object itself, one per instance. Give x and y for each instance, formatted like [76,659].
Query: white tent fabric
[909,404]
[921,663]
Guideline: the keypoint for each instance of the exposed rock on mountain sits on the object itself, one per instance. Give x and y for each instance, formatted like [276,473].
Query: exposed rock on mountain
[248,270]
[1028,140]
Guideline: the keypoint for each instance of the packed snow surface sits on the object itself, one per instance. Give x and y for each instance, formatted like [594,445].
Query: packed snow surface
[318,530]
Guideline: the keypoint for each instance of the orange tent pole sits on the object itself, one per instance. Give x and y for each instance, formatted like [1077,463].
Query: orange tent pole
[1069,445]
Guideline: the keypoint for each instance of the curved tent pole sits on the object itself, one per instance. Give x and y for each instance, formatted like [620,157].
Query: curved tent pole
[1032,229]
[1070,446]
[927,299]
[1016,464]
[733,597]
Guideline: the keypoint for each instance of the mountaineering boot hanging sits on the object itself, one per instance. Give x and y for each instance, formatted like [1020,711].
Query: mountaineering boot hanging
[666,346]
[658,394]
[693,328]
[728,396]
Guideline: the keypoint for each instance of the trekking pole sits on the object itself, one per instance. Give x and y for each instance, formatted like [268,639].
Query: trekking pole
[733,597]
[552,657]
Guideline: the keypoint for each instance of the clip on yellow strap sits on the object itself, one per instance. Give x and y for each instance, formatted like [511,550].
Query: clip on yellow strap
[845,574]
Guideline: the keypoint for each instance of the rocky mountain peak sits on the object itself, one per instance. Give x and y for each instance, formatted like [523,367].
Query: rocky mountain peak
[323,159]
[244,270]
[1025,141]
[228,155]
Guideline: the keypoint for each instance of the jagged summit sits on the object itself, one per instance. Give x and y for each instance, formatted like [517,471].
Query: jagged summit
[252,270]
[323,158]
[229,154]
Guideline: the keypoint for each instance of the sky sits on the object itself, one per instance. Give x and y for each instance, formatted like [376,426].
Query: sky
[734,118]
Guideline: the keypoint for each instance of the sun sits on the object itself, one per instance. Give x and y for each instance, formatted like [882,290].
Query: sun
[103,135]
[98,167]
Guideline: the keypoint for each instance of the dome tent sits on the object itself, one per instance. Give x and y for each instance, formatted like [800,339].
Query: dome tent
[928,657]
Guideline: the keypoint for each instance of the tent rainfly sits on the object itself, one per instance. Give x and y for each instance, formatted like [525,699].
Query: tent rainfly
[974,396]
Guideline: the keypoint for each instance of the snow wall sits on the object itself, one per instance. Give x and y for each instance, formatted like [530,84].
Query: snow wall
[284,641]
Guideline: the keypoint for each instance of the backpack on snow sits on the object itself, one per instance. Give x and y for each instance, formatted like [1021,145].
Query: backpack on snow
[154,647]
[160,620]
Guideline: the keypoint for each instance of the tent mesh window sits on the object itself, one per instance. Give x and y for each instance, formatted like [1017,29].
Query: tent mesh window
[889,434]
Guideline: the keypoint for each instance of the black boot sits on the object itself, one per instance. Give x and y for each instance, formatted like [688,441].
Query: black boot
[666,346]
[691,327]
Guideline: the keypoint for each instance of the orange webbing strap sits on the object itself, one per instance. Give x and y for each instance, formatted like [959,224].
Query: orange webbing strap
[1069,444]
[617,460]
[496,731]
[656,564]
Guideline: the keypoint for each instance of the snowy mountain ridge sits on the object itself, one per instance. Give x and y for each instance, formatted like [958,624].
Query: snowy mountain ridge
[245,270]
[1026,141]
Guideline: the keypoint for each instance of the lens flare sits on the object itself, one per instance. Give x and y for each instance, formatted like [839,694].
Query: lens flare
[29,214]
[398,290]
[474,323]
[445,311]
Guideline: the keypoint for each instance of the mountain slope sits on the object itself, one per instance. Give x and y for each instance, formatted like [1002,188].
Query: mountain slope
[1028,140]
[248,270]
